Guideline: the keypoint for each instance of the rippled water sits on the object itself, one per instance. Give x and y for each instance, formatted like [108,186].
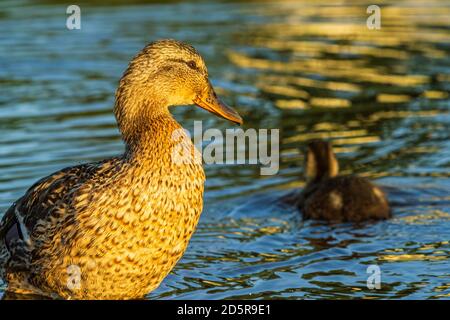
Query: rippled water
[312,70]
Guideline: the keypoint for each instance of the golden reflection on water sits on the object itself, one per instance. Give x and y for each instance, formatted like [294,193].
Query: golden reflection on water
[413,257]
[402,114]
[333,78]
[392,98]
[311,83]
[330,68]
[323,57]
[434,94]
[330,102]
[359,135]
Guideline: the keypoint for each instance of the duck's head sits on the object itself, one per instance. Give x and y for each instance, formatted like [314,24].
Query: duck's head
[320,161]
[166,73]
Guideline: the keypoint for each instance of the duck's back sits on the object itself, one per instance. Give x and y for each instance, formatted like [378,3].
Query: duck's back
[344,198]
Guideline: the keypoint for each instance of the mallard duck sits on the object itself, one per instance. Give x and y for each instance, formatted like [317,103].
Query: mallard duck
[114,229]
[339,198]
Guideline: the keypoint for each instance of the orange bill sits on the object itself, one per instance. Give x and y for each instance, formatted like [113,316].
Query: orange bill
[209,101]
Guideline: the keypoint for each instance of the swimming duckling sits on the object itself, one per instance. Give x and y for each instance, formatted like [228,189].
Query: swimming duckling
[328,196]
[114,229]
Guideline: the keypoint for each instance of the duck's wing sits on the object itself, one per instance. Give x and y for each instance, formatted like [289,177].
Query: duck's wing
[39,201]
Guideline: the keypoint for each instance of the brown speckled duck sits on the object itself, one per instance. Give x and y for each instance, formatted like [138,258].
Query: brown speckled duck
[115,228]
[328,196]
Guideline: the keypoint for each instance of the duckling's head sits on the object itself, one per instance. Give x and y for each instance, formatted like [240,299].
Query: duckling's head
[166,73]
[321,162]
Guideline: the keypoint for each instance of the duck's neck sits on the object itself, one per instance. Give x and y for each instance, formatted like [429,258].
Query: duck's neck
[146,126]
[153,137]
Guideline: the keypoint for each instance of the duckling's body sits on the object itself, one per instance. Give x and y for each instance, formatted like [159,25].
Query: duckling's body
[112,229]
[330,197]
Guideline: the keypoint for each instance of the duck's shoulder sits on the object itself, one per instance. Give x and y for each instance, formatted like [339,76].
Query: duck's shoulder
[347,182]
[49,193]
[347,198]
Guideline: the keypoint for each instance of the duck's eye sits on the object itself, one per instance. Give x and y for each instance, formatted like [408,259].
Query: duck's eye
[192,65]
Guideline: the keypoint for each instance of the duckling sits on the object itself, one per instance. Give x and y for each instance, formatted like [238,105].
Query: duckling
[328,196]
[114,229]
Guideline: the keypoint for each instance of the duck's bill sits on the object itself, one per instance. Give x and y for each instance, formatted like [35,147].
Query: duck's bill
[211,102]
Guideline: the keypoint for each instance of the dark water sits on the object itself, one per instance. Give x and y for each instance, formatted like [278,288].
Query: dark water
[310,70]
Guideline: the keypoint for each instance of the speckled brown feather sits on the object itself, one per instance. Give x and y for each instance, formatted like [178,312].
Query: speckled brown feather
[125,221]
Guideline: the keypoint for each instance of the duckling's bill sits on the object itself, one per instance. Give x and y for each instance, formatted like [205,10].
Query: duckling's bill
[209,101]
